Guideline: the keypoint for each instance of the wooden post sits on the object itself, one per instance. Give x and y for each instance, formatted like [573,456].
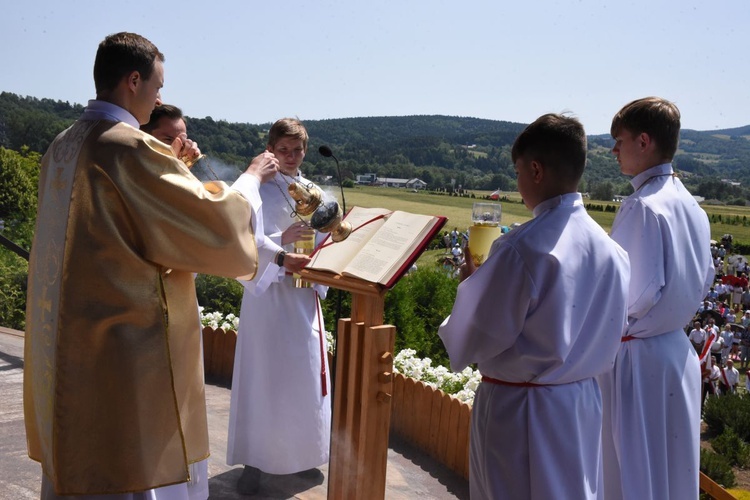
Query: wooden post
[362,392]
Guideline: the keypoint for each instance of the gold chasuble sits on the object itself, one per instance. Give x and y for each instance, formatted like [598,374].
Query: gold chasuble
[113,382]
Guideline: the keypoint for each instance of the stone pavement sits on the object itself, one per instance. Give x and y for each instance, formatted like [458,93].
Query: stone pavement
[410,473]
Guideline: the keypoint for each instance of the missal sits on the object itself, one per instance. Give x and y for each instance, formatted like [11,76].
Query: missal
[382,246]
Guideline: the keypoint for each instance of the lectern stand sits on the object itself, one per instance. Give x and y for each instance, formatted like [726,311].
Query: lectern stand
[362,392]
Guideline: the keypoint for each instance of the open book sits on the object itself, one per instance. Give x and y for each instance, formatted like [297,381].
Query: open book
[383,245]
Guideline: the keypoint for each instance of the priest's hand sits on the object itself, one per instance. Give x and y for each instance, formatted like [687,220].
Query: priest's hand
[295,262]
[185,149]
[296,232]
[263,166]
[468,267]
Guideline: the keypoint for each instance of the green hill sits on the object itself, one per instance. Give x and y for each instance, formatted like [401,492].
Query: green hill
[444,151]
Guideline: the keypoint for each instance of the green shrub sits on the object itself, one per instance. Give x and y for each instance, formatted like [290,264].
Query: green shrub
[219,294]
[13,276]
[732,447]
[732,411]
[330,306]
[717,468]
[417,306]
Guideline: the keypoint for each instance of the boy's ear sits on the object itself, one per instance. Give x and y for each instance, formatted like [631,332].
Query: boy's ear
[644,140]
[537,171]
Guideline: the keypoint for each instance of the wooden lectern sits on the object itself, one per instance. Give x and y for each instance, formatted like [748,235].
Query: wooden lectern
[362,391]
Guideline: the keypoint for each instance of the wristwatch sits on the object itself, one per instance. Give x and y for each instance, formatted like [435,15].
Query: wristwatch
[280,258]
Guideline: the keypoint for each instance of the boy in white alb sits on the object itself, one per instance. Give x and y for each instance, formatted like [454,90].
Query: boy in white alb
[652,397]
[280,410]
[540,331]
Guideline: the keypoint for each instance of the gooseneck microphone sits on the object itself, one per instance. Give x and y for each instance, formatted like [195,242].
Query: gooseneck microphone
[326,152]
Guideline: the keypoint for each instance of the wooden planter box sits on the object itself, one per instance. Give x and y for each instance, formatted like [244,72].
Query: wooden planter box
[218,355]
[432,421]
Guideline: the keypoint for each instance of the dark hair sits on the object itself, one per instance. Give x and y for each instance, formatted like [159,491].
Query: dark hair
[119,55]
[287,127]
[159,112]
[657,117]
[558,142]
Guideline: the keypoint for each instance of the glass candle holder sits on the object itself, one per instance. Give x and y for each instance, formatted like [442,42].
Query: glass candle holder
[484,230]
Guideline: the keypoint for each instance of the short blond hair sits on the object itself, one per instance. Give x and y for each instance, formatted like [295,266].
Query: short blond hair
[287,127]
[657,117]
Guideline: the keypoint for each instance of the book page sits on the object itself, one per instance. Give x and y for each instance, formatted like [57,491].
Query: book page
[390,247]
[336,256]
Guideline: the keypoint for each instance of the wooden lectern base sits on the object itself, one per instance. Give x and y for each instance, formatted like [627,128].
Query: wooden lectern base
[362,392]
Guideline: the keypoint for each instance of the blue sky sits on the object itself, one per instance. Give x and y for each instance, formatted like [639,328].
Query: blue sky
[250,61]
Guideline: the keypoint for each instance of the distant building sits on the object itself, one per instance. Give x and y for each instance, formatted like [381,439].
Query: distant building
[391,182]
[731,182]
[416,184]
[366,179]
[374,180]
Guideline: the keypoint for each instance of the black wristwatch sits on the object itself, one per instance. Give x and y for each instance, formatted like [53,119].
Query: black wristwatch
[280,258]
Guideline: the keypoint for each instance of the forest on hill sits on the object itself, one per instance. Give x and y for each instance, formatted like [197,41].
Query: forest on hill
[446,152]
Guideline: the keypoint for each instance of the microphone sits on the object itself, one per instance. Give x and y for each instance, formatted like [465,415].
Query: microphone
[326,152]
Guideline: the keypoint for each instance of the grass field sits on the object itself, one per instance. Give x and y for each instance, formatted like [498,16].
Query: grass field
[458,210]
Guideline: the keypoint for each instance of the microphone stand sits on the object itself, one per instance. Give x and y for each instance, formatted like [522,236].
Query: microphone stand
[326,152]
[13,247]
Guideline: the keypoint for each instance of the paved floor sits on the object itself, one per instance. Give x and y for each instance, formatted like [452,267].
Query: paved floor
[410,474]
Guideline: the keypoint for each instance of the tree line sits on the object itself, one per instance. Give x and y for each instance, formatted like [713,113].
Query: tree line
[446,152]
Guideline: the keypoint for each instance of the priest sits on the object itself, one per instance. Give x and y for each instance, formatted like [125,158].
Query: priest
[113,386]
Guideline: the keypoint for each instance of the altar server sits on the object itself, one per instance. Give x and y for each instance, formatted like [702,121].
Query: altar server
[541,329]
[280,412]
[652,396]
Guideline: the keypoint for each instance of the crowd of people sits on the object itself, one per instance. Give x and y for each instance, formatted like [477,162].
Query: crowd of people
[720,329]
[454,245]
[114,395]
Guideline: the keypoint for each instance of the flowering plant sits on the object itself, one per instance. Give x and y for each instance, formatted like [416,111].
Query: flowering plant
[231,322]
[217,320]
[460,385]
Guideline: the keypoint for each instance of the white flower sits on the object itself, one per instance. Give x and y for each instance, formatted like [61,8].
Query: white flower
[217,320]
[329,341]
[462,385]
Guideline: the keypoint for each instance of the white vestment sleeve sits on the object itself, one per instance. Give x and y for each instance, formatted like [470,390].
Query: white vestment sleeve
[490,310]
[644,245]
[248,186]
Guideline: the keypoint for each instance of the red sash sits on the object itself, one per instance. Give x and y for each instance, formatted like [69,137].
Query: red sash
[495,381]
[724,376]
[321,332]
[705,372]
